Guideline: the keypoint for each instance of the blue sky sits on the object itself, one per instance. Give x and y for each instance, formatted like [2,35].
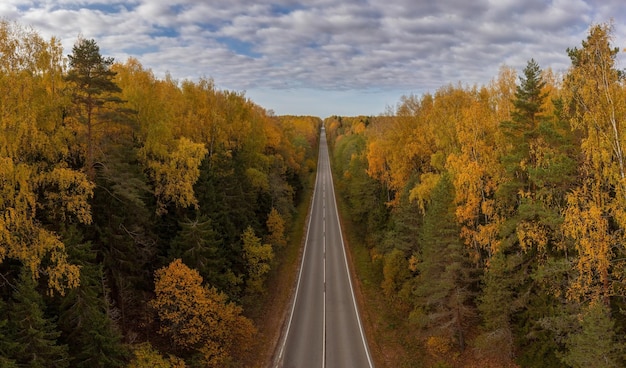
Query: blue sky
[326,57]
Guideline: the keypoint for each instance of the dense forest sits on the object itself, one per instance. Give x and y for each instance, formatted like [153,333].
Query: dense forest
[494,217]
[138,216]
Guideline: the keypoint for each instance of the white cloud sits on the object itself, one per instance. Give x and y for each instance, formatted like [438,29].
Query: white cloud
[324,48]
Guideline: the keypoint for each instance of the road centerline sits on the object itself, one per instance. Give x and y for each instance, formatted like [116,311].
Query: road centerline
[323,330]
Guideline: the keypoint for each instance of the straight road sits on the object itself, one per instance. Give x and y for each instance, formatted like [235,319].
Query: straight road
[324,329]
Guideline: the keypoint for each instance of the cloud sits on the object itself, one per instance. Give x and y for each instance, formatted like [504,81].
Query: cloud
[326,46]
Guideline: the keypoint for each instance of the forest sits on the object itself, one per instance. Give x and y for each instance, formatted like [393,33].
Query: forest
[139,217]
[493,217]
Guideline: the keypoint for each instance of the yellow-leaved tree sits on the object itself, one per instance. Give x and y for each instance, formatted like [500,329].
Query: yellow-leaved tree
[276,229]
[38,186]
[198,318]
[476,174]
[258,256]
[596,214]
[175,172]
[145,356]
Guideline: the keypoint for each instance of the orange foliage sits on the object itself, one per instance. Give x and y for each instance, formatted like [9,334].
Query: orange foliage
[477,173]
[198,317]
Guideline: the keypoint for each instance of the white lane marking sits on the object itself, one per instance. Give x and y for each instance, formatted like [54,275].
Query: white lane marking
[345,258]
[324,308]
[306,243]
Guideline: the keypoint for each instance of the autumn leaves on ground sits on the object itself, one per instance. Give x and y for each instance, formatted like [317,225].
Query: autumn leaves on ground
[140,218]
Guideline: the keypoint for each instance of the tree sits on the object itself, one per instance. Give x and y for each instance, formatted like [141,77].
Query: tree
[276,229]
[596,99]
[495,306]
[442,288]
[147,357]
[521,132]
[197,317]
[86,317]
[7,344]
[529,96]
[476,173]
[396,273]
[531,197]
[22,235]
[258,257]
[175,174]
[199,246]
[93,92]
[34,334]
[37,187]
[594,344]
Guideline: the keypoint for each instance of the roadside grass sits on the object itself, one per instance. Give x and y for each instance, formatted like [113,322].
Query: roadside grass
[269,310]
[391,339]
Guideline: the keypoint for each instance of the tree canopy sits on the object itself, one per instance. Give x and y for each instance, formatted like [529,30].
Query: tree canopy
[108,174]
[528,176]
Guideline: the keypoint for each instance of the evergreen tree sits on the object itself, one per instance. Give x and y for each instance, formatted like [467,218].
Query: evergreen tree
[496,307]
[540,171]
[85,317]
[123,236]
[198,245]
[443,290]
[595,343]
[34,335]
[93,91]
[227,199]
[529,98]
[522,130]
[7,344]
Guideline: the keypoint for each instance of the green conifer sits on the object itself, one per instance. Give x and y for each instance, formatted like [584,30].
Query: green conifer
[34,335]
[443,292]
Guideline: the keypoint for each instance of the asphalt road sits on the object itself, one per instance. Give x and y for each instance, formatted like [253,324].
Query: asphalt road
[324,328]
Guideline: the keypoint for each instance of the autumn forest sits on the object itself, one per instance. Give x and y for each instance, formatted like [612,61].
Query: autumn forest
[137,216]
[493,217]
[142,219]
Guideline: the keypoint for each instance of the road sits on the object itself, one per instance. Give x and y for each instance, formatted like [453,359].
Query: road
[324,327]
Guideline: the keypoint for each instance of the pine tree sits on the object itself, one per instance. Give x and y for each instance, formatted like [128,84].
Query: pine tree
[496,307]
[35,336]
[93,92]
[87,328]
[540,171]
[522,130]
[443,287]
[198,246]
[595,343]
[7,344]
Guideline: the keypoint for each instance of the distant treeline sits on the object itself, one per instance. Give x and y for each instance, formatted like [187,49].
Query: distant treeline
[137,214]
[495,215]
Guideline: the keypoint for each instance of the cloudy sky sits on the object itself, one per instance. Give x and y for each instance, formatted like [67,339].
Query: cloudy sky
[326,57]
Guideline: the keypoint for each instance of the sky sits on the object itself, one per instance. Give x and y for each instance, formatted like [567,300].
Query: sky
[326,57]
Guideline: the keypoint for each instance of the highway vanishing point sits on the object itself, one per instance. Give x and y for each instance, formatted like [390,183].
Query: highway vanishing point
[324,328]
